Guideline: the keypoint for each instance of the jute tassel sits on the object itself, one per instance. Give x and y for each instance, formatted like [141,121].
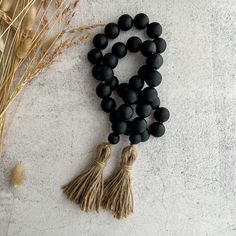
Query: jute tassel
[118,197]
[87,189]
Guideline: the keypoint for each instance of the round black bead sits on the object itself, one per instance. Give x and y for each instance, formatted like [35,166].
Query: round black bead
[125,112]
[143,70]
[122,89]
[119,127]
[148,47]
[156,103]
[112,30]
[136,83]
[108,104]
[162,114]
[157,129]
[135,138]
[145,135]
[114,83]
[129,126]
[100,41]
[144,110]
[160,44]
[110,60]
[130,96]
[139,125]
[103,90]
[153,78]
[133,44]
[105,73]
[149,95]
[94,56]
[154,30]
[155,61]
[125,22]
[114,116]
[119,49]
[113,138]
[141,21]
[95,71]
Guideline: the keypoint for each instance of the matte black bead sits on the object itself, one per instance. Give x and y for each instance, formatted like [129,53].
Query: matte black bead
[122,89]
[130,96]
[114,116]
[145,135]
[154,30]
[142,71]
[119,127]
[162,114]
[100,41]
[112,30]
[129,127]
[157,129]
[141,21]
[153,78]
[108,104]
[103,90]
[119,49]
[113,138]
[125,22]
[148,47]
[156,103]
[110,60]
[125,112]
[135,138]
[149,95]
[95,71]
[139,125]
[136,83]
[155,61]
[94,56]
[105,73]
[160,44]
[133,44]
[114,83]
[144,110]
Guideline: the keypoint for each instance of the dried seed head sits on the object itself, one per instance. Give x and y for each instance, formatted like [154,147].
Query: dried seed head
[6,5]
[29,18]
[17,176]
[23,49]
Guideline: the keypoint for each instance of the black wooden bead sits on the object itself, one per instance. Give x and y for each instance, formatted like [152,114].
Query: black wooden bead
[135,138]
[156,103]
[139,125]
[144,110]
[100,41]
[129,127]
[125,22]
[149,95]
[119,127]
[94,56]
[162,114]
[153,78]
[114,116]
[145,135]
[136,83]
[112,30]
[143,70]
[105,73]
[110,60]
[154,30]
[125,112]
[160,44]
[157,129]
[119,49]
[113,138]
[155,61]
[103,90]
[108,104]
[133,44]
[114,83]
[122,89]
[148,47]
[141,21]
[130,96]
[95,71]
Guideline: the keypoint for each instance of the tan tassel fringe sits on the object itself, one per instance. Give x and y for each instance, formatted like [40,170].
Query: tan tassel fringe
[87,189]
[118,197]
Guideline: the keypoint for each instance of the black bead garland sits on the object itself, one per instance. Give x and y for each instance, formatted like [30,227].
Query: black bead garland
[139,94]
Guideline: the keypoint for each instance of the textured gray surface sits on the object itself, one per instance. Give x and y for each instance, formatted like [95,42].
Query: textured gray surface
[183,183]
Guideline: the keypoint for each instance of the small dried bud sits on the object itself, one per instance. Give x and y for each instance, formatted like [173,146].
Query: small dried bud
[6,5]
[23,49]
[29,18]
[17,176]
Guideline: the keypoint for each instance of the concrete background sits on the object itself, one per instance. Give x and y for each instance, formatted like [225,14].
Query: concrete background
[183,183]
